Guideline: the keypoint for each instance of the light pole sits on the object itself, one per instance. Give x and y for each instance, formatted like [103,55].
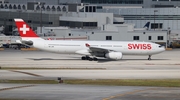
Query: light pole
[154,18]
[19,13]
[41,5]
[41,19]
[168,37]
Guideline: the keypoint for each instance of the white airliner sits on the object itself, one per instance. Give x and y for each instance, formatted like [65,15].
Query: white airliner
[89,49]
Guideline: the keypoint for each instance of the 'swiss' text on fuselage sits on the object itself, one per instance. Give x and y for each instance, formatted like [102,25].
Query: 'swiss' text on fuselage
[139,46]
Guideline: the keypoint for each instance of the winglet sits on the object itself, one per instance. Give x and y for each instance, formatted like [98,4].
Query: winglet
[23,29]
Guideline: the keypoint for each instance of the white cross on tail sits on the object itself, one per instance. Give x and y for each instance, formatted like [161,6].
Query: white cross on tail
[24,29]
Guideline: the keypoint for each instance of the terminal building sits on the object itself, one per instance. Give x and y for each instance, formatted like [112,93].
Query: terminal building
[96,19]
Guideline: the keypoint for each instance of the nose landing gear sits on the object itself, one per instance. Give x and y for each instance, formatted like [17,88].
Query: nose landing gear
[149,58]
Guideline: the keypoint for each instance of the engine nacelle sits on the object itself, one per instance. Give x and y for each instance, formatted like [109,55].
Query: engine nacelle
[114,55]
[30,43]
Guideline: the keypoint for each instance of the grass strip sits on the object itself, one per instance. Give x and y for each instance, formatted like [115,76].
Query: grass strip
[110,82]
[30,81]
[128,82]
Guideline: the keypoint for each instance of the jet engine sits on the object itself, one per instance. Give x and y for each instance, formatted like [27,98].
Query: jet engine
[30,43]
[114,55]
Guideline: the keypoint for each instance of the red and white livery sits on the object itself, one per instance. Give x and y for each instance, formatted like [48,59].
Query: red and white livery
[90,49]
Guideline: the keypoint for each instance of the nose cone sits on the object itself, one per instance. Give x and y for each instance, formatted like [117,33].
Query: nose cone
[162,49]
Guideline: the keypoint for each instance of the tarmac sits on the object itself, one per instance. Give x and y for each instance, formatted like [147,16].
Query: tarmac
[85,92]
[165,65]
[17,58]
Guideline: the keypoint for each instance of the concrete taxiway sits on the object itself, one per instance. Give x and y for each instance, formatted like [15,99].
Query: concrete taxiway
[90,74]
[165,65]
[85,92]
[16,58]
[162,66]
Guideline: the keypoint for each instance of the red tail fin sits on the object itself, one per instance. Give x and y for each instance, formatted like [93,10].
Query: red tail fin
[24,29]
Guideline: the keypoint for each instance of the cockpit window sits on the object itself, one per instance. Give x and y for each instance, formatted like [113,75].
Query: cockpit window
[161,46]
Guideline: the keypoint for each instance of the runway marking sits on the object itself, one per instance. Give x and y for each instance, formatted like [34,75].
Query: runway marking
[46,68]
[149,64]
[127,93]
[87,64]
[3,89]
[26,73]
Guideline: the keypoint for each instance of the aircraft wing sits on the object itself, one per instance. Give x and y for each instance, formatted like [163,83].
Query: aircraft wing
[99,50]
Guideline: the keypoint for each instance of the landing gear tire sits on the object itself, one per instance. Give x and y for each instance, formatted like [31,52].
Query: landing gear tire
[149,58]
[90,59]
[87,57]
[83,58]
[95,59]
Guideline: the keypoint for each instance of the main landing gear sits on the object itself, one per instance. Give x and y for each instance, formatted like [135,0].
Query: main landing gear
[149,58]
[89,58]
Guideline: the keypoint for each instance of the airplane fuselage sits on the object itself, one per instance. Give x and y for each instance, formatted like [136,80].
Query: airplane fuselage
[79,47]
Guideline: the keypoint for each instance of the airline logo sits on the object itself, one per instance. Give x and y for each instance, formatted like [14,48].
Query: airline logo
[24,29]
[138,46]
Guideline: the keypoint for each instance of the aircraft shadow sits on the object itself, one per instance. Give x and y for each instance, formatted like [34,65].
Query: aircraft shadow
[143,59]
[42,59]
[99,60]
[104,60]
[78,59]
[107,60]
